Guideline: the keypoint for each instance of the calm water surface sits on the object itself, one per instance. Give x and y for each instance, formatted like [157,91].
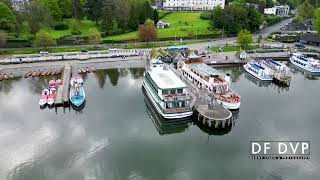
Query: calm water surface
[114,137]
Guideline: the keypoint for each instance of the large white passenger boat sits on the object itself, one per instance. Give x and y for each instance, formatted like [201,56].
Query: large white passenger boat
[209,79]
[308,64]
[258,71]
[167,92]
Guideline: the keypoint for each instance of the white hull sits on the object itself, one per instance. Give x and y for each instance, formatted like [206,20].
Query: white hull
[159,110]
[305,67]
[256,75]
[42,103]
[231,106]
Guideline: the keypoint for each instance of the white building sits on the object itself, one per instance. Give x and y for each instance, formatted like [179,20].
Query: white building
[278,10]
[19,5]
[190,4]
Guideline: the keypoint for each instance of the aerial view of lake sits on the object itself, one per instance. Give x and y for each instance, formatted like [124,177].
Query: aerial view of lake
[115,136]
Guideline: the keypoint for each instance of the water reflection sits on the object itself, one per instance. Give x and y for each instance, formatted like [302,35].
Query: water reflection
[162,125]
[308,75]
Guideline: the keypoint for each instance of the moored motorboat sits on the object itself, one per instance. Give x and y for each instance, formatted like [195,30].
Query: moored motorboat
[309,64]
[258,71]
[167,92]
[213,82]
[77,94]
[44,97]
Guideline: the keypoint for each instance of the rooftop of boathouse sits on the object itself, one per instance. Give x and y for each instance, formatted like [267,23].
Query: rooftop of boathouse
[204,69]
[167,80]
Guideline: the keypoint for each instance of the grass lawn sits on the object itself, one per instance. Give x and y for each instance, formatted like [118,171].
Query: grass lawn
[84,27]
[182,24]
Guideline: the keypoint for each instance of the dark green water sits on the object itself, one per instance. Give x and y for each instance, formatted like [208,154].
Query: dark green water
[114,137]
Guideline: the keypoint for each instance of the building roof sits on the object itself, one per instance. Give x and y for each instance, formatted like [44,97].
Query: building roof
[310,37]
[204,69]
[178,47]
[166,79]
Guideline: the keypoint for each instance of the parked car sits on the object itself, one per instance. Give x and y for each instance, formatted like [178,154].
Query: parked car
[84,50]
[299,45]
[44,52]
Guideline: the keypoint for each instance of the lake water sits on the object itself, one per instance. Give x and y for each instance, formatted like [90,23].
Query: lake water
[114,137]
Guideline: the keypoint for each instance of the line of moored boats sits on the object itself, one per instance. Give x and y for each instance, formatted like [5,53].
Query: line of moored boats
[43,72]
[48,95]
[6,76]
[268,70]
[84,70]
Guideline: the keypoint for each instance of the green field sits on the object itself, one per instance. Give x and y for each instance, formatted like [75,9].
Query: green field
[84,27]
[230,48]
[182,24]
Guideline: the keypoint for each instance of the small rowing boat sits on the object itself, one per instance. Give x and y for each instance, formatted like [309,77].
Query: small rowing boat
[84,70]
[88,70]
[43,73]
[11,76]
[53,72]
[93,69]
[79,71]
[5,77]
[38,73]
[28,74]
[34,73]
[48,72]
[1,77]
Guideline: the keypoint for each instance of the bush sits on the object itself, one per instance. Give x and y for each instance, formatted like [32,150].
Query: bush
[205,15]
[76,32]
[61,26]
[273,19]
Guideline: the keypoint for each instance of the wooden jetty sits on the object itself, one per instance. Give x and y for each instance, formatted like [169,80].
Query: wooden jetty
[62,97]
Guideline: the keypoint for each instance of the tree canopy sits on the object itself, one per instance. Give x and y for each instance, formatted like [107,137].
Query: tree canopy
[7,18]
[43,39]
[94,36]
[244,39]
[147,31]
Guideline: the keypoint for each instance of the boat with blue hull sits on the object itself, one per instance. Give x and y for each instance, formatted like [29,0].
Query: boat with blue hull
[309,64]
[77,95]
[256,70]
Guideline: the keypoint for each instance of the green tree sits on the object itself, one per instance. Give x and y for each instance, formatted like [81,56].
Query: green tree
[3,39]
[94,36]
[54,9]
[305,11]
[107,16]
[155,16]
[254,19]
[7,18]
[244,39]
[94,10]
[77,9]
[37,16]
[66,8]
[147,31]
[259,40]
[43,39]
[316,23]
